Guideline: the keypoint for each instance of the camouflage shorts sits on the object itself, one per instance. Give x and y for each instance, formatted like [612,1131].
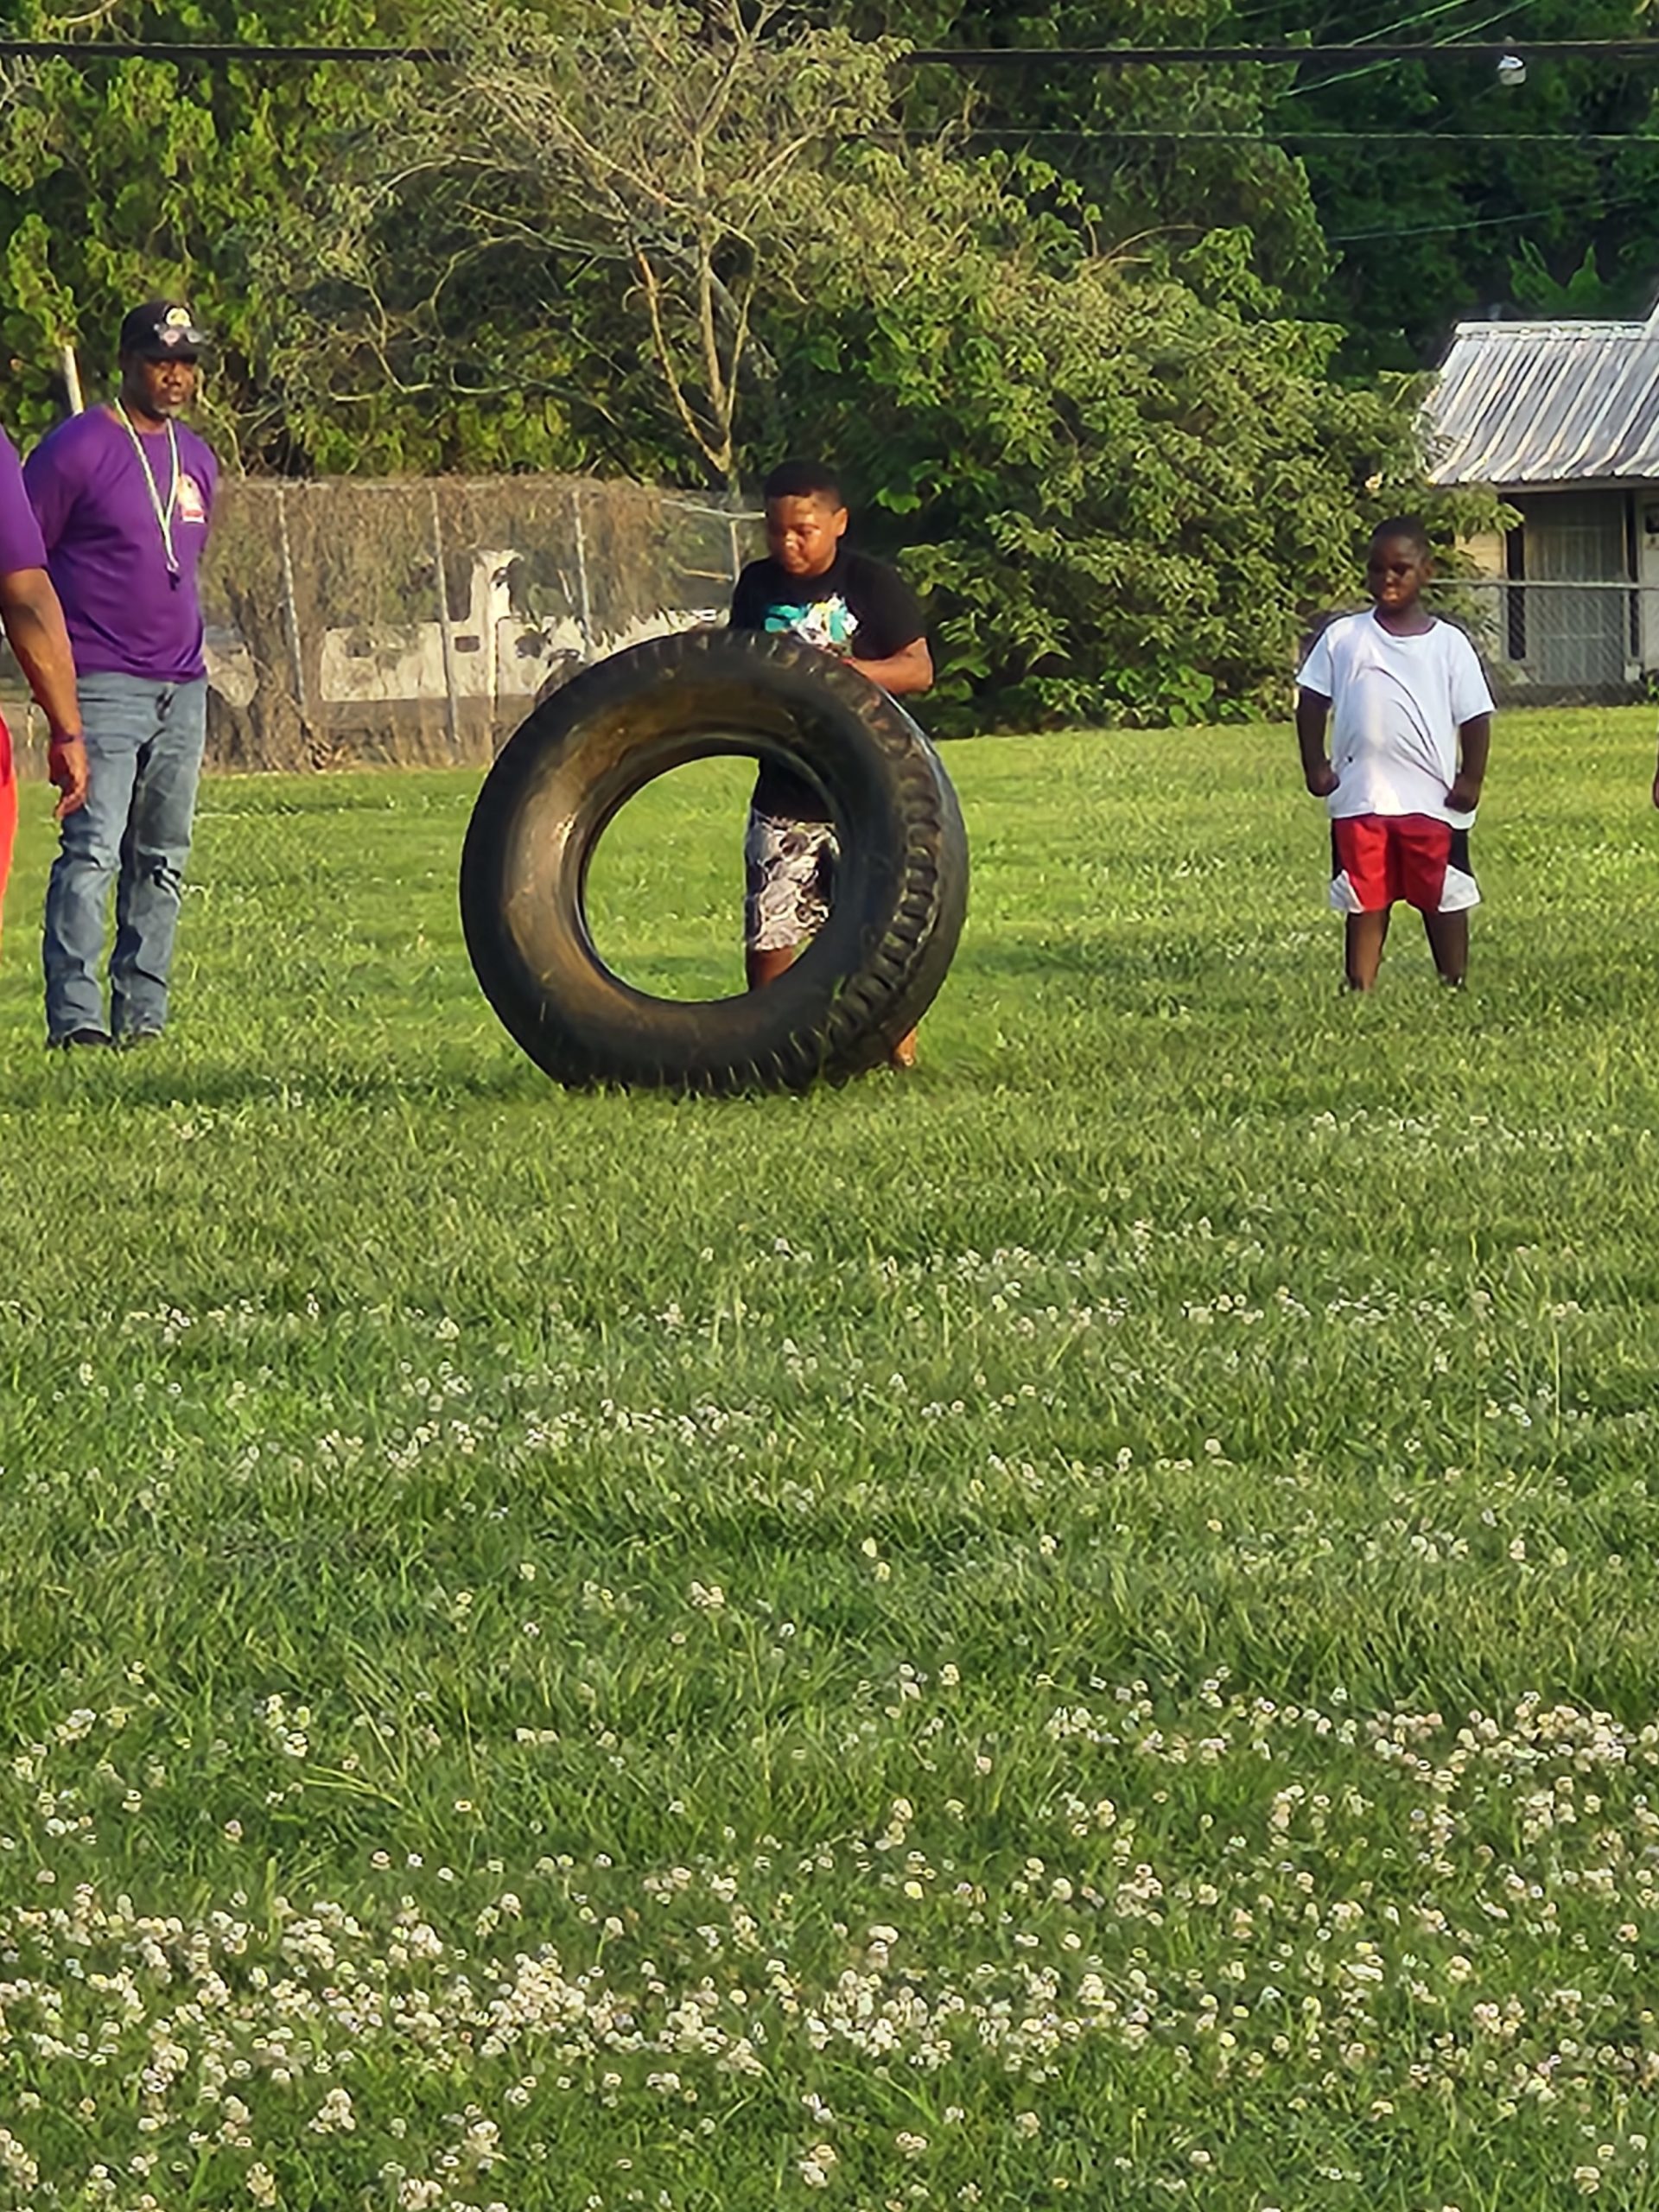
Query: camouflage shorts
[790,880]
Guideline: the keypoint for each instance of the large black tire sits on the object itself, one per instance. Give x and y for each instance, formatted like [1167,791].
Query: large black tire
[901,881]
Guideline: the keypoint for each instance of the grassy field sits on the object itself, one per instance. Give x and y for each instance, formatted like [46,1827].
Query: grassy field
[1081,1629]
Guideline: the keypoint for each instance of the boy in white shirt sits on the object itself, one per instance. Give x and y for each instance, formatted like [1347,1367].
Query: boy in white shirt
[1411,727]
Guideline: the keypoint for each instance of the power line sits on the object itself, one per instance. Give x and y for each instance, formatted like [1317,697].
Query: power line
[1629,50]
[88,50]
[1391,33]
[1014,134]
[1107,57]
[1467,223]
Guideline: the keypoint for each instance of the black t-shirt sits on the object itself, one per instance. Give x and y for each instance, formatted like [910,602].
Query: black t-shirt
[859,607]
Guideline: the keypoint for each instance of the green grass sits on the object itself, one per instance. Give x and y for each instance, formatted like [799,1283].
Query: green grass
[1081,1629]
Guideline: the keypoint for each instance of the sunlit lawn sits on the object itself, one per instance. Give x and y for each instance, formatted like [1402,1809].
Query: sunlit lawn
[1082,1627]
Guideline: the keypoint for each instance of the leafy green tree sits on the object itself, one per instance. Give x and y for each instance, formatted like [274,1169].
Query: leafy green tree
[121,181]
[1125,502]
[1172,165]
[663,157]
[1443,192]
[1392,197]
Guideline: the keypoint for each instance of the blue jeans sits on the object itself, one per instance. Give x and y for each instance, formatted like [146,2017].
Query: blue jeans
[144,749]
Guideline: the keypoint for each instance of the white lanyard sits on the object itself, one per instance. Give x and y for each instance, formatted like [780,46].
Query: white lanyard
[163,512]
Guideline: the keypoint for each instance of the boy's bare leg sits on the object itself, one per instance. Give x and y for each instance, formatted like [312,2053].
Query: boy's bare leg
[1448,940]
[765,964]
[1365,936]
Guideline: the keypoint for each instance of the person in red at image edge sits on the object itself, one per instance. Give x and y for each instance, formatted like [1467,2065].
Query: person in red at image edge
[123,494]
[34,625]
[1411,726]
[813,586]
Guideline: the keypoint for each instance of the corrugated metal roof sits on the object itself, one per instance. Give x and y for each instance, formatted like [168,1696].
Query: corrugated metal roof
[1546,402]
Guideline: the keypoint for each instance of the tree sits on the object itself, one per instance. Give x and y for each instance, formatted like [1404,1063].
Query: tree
[1172,165]
[1443,191]
[1125,502]
[240,187]
[667,153]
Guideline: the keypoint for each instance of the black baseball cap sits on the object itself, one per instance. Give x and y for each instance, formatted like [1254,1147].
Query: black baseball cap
[162,330]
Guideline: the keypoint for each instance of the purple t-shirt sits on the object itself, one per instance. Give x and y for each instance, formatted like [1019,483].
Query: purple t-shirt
[104,547]
[20,534]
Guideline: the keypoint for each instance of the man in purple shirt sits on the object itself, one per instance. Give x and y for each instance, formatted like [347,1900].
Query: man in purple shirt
[123,494]
[34,625]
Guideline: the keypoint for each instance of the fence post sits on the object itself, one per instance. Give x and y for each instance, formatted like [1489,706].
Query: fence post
[452,704]
[71,377]
[290,609]
[584,597]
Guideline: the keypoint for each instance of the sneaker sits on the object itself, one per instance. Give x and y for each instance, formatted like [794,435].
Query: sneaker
[77,1038]
[130,1039]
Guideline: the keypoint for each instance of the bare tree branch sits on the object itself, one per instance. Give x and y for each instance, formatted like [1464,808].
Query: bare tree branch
[680,141]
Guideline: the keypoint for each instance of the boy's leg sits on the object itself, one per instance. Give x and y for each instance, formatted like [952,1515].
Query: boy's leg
[1436,878]
[1366,934]
[763,967]
[1363,890]
[763,964]
[788,884]
[789,887]
[1448,940]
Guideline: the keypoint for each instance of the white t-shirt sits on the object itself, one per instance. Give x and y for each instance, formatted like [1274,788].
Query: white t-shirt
[1396,706]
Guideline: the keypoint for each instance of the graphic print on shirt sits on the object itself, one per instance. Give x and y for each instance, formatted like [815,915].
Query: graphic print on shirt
[829,624]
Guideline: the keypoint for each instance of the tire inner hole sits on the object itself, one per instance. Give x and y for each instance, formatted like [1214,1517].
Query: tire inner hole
[665,886]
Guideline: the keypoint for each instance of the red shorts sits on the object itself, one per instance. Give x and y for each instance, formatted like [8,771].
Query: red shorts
[1376,859]
[7,810]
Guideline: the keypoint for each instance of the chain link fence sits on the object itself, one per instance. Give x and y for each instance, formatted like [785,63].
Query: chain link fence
[420,621]
[1557,643]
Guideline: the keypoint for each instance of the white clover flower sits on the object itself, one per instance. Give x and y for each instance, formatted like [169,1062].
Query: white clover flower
[262,2184]
[15,2161]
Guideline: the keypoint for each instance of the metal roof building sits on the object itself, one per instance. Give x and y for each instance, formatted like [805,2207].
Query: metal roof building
[1562,418]
[1536,404]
